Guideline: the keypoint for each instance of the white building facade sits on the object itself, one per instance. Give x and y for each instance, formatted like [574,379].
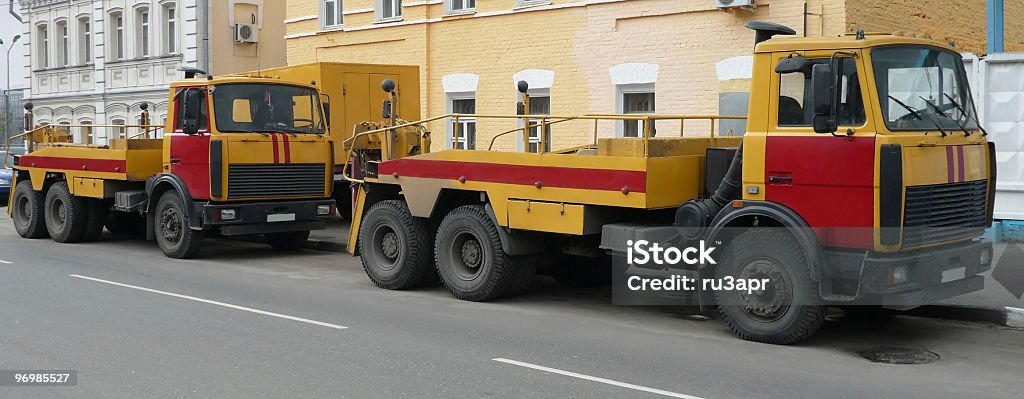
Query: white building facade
[97,62]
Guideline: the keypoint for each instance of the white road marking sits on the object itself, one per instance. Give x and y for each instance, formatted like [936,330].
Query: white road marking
[226,305]
[597,379]
[5,262]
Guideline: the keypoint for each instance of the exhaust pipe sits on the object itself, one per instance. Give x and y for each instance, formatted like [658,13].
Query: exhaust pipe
[693,217]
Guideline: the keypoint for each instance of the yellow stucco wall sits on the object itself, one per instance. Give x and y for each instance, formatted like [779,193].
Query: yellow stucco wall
[964,22]
[576,39]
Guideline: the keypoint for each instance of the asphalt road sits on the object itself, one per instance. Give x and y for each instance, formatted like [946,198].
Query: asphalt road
[250,323]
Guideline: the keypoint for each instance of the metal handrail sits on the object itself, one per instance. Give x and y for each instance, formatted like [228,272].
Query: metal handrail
[10,139]
[543,118]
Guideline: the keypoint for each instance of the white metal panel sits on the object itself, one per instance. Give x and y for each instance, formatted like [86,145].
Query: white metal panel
[1001,103]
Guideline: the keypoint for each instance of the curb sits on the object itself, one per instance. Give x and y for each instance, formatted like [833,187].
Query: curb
[1005,316]
[312,244]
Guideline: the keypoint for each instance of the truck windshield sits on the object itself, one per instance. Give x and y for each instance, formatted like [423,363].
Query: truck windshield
[921,87]
[267,108]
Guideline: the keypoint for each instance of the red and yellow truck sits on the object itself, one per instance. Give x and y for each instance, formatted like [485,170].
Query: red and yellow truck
[238,156]
[863,179]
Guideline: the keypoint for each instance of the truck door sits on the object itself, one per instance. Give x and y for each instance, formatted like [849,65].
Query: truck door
[189,155]
[827,179]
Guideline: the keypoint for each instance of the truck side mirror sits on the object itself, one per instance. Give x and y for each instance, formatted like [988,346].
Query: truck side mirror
[327,114]
[822,95]
[193,101]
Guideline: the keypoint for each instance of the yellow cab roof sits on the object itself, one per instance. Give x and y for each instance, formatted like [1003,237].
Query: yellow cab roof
[847,41]
[203,81]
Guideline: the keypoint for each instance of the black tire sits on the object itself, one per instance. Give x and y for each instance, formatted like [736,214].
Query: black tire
[290,241]
[343,201]
[65,214]
[27,210]
[173,234]
[95,218]
[471,261]
[790,310]
[124,223]
[395,247]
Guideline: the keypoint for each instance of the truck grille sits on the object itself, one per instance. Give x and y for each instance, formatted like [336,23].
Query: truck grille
[944,212]
[276,181]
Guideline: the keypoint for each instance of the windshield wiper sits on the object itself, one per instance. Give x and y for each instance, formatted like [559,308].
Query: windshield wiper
[964,112]
[918,115]
[939,111]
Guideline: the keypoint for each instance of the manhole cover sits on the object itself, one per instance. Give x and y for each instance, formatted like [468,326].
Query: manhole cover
[900,356]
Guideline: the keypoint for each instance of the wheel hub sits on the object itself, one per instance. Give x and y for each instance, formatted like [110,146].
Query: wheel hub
[773,301]
[389,244]
[23,210]
[471,253]
[170,225]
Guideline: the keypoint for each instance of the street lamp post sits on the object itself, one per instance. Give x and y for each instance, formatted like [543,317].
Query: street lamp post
[7,89]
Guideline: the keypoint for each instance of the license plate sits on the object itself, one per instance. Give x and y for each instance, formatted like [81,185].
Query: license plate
[954,274]
[281,217]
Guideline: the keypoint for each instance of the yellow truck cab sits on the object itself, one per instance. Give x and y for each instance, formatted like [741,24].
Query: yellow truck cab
[863,181]
[238,156]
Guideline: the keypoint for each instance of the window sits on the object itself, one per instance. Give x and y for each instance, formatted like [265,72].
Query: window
[170,29]
[459,6]
[929,81]
[44,47]
[179,110]
[62,53]
[142,34]
[464,133]
[117,36]
[274,108]
[120,131]
[330,14]
[637,103]
[540,105]
[85,44]
[795,91]
[389,9]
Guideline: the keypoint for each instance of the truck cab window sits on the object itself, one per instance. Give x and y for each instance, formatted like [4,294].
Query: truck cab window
[795,96]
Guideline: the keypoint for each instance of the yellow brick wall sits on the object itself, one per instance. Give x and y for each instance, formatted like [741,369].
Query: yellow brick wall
[579,43]
[964,22]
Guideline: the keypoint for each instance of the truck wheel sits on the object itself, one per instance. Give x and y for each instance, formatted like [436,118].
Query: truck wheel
[27,211]
[125,223]
[395,246]
[65,214]
[470,260]
[173,235]
[95,218]
[789,309]
[289,241]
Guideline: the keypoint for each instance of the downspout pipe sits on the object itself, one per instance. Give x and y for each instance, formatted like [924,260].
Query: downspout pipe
[995,26]
[203,30]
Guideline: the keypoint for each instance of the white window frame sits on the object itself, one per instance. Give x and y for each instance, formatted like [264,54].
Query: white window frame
[170,42]
[396,6]
[63,52]
[339,20]
[531,3]
[85,45]
[620,104]
[535,131]
[117,48]
[451,141]
[449,7]
[43,59]
[143,23]
[122,132]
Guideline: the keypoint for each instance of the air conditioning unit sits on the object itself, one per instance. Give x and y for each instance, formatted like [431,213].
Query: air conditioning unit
[246,33]
[733,4]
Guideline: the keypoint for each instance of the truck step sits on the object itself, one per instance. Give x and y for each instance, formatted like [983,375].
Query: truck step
[129,201]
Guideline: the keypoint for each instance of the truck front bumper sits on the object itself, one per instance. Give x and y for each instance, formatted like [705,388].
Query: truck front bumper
[236,219]
[912,279]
